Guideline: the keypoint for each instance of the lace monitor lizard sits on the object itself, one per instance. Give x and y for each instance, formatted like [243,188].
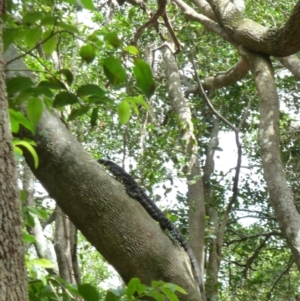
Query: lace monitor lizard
[136,192]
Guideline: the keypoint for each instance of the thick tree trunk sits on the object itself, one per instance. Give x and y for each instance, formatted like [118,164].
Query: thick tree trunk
[13,277]
[118,226]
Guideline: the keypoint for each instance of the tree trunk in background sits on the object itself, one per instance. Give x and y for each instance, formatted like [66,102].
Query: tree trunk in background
[195,193]
[43,246]
[64,243]
[13,276]
[281,197]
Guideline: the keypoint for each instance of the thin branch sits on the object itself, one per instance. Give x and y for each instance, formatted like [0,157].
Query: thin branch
[160,12]
[233,199]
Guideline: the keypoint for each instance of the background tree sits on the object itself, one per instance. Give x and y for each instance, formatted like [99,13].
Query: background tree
[93,73]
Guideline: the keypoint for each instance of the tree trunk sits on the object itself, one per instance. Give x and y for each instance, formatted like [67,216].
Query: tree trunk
[118,226]
[13,276]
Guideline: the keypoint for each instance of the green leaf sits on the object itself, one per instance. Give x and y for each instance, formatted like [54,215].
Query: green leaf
[68,27]
[142,288]
[100,100]
[17,84]
[94,116]
[32,18]
[132,50]
[114,70]
[36,92]
[78,112]
[112,39]
[22,195]
[52,84]
[34,110]
[64,98]
[132,286]
[15,126]
[32,151]
[124,112]
[144,77]
[9,36]
[32,37]
[90,89]
[42,262]
[87,53]
[171,295]
[48,20]
[138,100]
[156,283]
[68,75]
[88,4]
[18,151]
[29,238]
[50,44]
[156,295]
[110,296]
[88,292]
[21,119]
[38,212]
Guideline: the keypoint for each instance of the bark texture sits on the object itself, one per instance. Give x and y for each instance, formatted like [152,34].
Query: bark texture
[281,197]
[13,276]
[119,228]
[282,41]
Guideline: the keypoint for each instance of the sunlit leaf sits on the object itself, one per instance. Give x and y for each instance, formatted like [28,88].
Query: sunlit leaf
[87,53]
[49,42]
[132,286]
[29,238]
[132,50]
[124,112]
[21,119]
[42,262]
[33,36]
[28,146]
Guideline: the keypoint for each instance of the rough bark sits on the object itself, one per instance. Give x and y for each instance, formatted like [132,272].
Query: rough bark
[119,228]
[282,41]
[13,277]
